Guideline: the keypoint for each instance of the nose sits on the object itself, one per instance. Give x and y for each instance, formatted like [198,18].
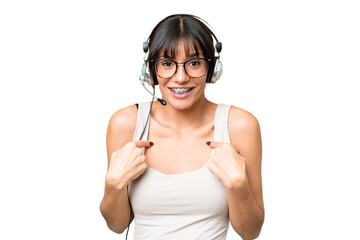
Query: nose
[180,75]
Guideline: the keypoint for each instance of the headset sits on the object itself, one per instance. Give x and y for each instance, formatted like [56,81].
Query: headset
[146,77]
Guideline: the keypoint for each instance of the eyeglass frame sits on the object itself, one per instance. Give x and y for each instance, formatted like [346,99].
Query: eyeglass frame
[176,63]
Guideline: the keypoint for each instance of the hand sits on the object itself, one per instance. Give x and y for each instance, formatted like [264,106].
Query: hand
[227,165]
[126,164]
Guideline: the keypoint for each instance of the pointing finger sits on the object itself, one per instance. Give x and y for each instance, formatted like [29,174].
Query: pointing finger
[143,144]
[214,144]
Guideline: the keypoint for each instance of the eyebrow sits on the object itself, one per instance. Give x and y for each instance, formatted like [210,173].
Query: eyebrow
[190,56]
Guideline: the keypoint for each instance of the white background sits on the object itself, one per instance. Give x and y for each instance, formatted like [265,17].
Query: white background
[67,66]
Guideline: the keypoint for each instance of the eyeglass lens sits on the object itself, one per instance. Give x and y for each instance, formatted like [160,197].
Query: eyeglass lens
[166,68]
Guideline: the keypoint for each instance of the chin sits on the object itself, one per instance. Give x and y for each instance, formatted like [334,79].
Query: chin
[182,104]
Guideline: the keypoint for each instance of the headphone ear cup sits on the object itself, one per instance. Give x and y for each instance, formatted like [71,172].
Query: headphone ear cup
[145,74]
[218,69]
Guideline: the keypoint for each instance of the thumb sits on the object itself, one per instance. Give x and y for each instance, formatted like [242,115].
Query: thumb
[143,144]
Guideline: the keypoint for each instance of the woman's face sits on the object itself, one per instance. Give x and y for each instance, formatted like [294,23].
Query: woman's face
[182,91]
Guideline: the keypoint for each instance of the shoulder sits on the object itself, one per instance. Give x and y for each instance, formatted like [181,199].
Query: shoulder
[121,129]
[123,123]
[241,120]
[243,127]
[124,117]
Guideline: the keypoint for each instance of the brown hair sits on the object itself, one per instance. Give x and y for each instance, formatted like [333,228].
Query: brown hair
[167,33]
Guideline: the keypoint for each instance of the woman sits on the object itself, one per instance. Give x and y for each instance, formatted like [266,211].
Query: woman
[194,165]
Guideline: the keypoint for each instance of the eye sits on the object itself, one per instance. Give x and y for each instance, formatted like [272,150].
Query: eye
[195,62]
[166,63]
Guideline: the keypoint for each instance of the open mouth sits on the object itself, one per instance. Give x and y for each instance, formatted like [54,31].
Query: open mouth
[180,91]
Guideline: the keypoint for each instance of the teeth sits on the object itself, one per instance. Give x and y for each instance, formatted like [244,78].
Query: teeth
[180,90]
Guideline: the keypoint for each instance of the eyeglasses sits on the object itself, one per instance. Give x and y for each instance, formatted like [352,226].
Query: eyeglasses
[195,67]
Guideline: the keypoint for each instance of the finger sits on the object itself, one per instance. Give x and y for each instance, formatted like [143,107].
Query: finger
[214,144]
[140,169]
[213,169]
[142,144]
[141,159]
[137,152]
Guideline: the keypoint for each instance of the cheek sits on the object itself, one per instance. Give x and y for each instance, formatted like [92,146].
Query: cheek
[202,82]
[162,84]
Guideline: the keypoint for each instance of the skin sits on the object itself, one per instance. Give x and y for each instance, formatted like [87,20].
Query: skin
[181,133]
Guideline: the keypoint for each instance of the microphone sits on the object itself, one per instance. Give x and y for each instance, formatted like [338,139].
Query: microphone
[162,101]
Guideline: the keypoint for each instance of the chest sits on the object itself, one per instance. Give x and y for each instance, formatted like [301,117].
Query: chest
[178,152]
[198,192]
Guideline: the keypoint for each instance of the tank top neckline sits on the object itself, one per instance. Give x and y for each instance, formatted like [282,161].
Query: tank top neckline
[196,171]
[217,136]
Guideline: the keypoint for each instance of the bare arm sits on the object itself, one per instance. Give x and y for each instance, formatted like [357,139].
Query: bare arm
[125,163]
[239,167]
[115,209]
[246,207]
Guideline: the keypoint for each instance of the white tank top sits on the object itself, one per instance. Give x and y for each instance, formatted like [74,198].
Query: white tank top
[191,206]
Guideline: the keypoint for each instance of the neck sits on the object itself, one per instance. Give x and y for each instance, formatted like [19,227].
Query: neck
[197,115]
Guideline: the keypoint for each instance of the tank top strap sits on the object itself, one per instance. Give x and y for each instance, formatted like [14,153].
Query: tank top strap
[221,132]
[142,114]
